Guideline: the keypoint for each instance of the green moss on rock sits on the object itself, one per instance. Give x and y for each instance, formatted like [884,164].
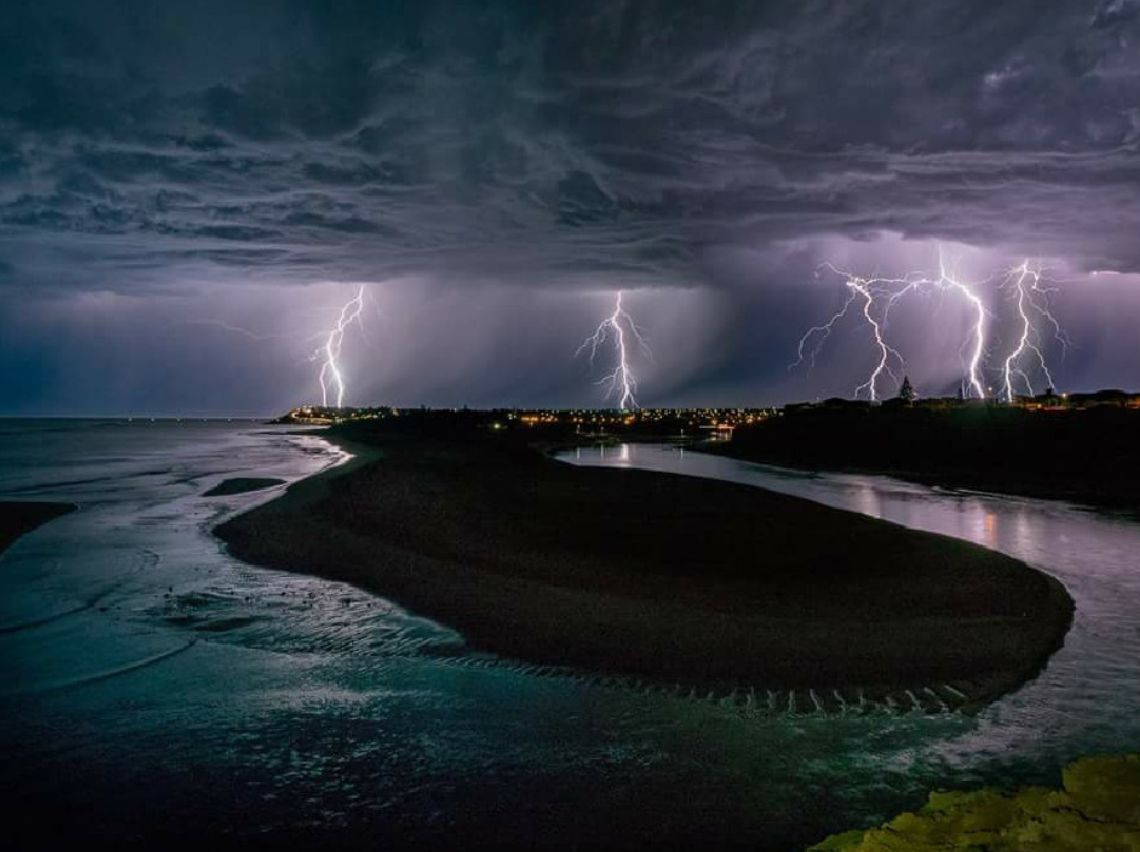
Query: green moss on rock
[1099,808]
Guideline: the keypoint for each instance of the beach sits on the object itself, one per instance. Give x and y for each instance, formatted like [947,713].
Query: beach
[242,485]
[18,517]
[660,577]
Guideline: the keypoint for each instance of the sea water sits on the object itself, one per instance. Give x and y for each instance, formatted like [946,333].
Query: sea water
[152,685]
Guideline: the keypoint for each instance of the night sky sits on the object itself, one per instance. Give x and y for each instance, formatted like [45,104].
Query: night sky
[189,191]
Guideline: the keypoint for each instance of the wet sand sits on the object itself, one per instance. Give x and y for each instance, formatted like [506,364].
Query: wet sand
[671,579]
[242,485]
[19,517]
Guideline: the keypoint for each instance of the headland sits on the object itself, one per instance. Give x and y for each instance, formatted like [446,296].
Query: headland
[1084,450]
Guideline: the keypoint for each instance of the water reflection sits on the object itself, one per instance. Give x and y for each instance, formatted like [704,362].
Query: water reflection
[1084,701]
[989,530]
[866,500]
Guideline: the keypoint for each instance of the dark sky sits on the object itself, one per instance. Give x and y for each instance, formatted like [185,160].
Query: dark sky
[190,190]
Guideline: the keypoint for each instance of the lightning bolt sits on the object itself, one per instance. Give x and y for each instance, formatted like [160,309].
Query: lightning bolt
[235,329]
[329,353]
[973,381]
[885,351]
[1027,357]
[1030,297]
[889,291]
[866,290]
[820,333]
[621,381]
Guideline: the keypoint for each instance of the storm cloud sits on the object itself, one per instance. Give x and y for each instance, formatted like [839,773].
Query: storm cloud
[201,158]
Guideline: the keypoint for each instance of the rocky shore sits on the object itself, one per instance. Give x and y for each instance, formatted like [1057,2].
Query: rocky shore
[1098,807]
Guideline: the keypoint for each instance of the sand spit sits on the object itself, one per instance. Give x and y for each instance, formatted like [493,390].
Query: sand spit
[662,577]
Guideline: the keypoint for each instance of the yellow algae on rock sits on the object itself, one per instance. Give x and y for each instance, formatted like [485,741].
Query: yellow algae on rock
[1106,787]
[1098,809]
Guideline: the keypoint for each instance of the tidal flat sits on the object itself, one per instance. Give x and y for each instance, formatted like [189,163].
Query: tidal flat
[669,578]
[311,712]
[242,485]
[18,517]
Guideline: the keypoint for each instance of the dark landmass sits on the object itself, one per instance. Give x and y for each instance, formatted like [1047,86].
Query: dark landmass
[1086,456]
[653,575]
[1097,808]
[241,485]
[1079,447]
[19,517]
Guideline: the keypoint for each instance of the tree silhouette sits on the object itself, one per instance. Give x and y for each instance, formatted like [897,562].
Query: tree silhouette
[906,392]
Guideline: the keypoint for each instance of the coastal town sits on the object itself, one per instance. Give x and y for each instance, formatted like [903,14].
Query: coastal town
[715,422]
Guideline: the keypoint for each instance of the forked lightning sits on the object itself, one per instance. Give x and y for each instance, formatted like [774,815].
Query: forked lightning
[619,327]
[1030,298]
[331,376]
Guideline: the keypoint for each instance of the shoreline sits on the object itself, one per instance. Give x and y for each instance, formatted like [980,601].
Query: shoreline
[1096,807]
[242,485]
[19,517]
[501,543]
[1083,456]
[1087,498]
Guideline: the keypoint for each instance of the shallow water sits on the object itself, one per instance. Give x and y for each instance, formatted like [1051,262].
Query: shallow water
[1088,697]
[147,679]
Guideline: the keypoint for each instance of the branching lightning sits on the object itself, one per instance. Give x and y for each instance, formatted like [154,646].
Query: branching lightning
[1032,304]
[885,351]
[973,365]
[234,329]
[1030,297]
[866,290]
[620,327]
[329,354]
[820,333]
